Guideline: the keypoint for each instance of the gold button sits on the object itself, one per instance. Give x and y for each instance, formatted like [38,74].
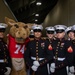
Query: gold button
[36,53]
[36,47]
[56,57]
[57,46]
[5,60]
[36,56]
[56,49]
[37,42]
[37,59]
[59,65]
[36,50]
[56,52]
[58,42]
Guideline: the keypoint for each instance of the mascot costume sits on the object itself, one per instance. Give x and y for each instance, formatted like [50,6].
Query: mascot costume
[17,40]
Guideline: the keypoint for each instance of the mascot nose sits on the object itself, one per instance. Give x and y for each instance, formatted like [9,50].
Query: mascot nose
[21,38]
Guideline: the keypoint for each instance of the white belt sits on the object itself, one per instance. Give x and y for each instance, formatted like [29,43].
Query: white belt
[60,59]
[1,61]
[34,58]
[48,68]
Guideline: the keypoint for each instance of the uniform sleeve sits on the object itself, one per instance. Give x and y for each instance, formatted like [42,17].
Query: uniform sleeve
[68,61]
[27,58]
[8,59]
[49,55]
[69,53]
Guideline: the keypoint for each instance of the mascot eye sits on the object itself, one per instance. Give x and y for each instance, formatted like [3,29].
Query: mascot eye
[25,27]
[23,34]
[18,32]
[16,26]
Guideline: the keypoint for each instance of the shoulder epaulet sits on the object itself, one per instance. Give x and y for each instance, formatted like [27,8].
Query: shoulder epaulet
[43,38]
[66,39]
[54,38]
[31,39]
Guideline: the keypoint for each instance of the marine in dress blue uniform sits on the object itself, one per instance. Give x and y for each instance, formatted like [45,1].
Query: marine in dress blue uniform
[71,38]
[73,45]
[70,33]
[63,52]
[37,53]
[5,61]
[50,32]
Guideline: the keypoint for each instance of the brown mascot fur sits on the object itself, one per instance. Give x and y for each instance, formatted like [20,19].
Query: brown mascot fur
[17,40]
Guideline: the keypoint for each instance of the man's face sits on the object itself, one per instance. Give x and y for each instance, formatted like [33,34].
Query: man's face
[60,35]
[37,34]
[1,34]
[71,35]
[50,36]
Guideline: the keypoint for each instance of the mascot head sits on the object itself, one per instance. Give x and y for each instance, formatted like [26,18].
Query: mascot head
[18,30]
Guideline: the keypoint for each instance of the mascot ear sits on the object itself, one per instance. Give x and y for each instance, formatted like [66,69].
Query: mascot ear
[27,29]
[9,22]
[30,25]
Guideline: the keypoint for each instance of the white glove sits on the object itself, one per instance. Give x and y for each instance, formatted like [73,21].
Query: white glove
[8,71]
[52,65]
[52,70]
[34,68]
[71,69]
[70,73]
[36,63]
